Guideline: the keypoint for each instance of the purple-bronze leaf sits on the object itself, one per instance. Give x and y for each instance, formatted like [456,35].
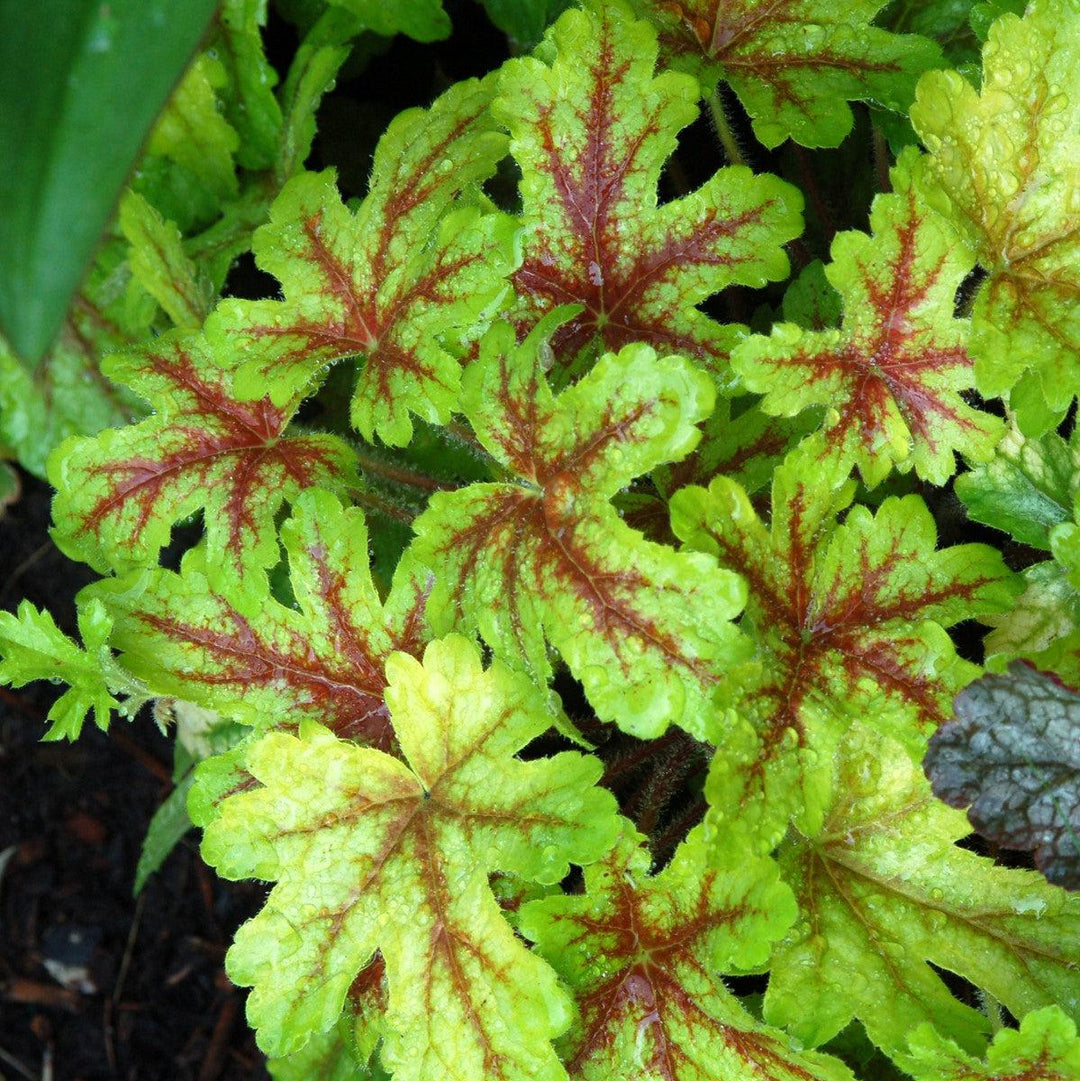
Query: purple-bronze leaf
[1012,756]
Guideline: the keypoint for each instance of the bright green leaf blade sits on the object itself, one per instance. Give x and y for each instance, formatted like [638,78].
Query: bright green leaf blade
[544,555]
[642,955]
[32,647]
[120,493]
[1027,488]
[1046,1048]
[892,374]
[849,623]
[1005,164]
[235,648]
[369,854]
[423,20]
[795,64]
[413,266]
[883,890]
[167,828]
[592,127]
[82,81]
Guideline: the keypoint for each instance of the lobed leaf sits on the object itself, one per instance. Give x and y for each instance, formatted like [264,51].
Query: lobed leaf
[234,647]
[849,623]
[390,284]
[794,64]
[641,955]
[120,493]
[369,853]
[883,892]
[1012,757]
[591,129]
[542,555]
[1004,164]
[1045,1048]
[32,647]
[892,373]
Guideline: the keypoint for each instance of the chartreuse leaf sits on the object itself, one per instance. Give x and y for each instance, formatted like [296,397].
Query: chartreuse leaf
[1012,757]
[388,283]
[1045,1048]
[120,493]
[235,648]
[849,623]
[591,129]
[33,647]
[1005,164]
[892,374]
[883,890]
[795,64]
[544,555]
[642,955]
[82,81]
[370,853]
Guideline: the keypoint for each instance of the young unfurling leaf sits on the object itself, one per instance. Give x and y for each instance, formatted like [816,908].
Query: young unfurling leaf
[592,127]
[543,555]
[641,953]
[1012,757]
[235,648]
[848,619]
[120,493]
[370,853]
[893,371]
[387,284]
[1005,163]
[795,64]
[883,890]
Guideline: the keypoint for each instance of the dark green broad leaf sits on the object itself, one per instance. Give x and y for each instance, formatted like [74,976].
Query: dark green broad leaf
[81,82]
[1012,756]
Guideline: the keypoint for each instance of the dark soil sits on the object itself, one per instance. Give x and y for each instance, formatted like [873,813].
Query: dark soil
[95,984]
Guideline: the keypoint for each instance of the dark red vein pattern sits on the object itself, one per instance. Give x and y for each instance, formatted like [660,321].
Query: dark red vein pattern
[545,555]
[120,493]
[642,955]
[848,620]
[894,371]
[794,63]
[386,284]
[591,134]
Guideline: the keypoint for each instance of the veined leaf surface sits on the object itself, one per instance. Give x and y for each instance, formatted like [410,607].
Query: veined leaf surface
[544,555]
[591,128]
[120,493]
[370,853]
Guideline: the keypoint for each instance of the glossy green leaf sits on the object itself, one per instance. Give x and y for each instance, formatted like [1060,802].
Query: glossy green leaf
[592,128]
[1044,1048]
[120,493]
[66,155]
[642,955]
[1005,165]
[414,266]
[542,556]
[849,624]
[892,374]
[423,20]
[32,647]
[370,853]
[884,891]
[795,64]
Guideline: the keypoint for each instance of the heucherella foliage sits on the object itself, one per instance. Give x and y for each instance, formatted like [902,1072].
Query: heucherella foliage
[794,63]
[591,129]
[848,619]
[564,547]
[1004,165]
[544,555]
[892,374]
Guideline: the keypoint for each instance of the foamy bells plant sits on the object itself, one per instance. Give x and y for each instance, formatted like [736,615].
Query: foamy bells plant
[557,571]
